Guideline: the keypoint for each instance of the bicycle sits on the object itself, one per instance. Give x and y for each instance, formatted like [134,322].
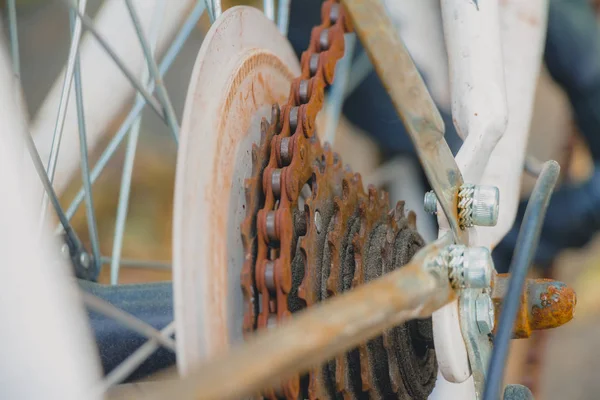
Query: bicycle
[202,330]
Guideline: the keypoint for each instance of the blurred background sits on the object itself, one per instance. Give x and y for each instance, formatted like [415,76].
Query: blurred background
[573,351]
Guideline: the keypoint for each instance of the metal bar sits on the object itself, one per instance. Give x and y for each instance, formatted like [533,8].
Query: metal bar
[89,26]
[529,236]
[14,38]
[283,16]
[114,143]
[62,107]
[85,164]
[102,306]
[336,97]
[125,189]
[413,103]
[269,9]
[161,265]
[161,90]
[318,334]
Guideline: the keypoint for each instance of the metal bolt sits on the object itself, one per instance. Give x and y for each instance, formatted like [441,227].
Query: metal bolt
[478,205]
[318,221]
[484,314]
[468,267]
[430,202]
[84,260]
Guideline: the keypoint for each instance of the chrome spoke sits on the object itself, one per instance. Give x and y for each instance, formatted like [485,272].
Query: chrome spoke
[269,9]
[283,16]
[131,363]
[14,38]
[89,26]
[123,206]
[103,307]
[336,97]
[360,69]
[62,106]
[214,9]
[159,265]
[49,191]
[161,90]
[85,163]
[114,143]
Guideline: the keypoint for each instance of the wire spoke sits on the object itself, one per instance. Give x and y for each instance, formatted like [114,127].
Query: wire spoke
[160,265]
[269,9]
[114,143]
[85,164]
[103,307]
[283,16]
[161,90]
[90,27]
[125,190]
[62,107]
[131,363]
[14,38]
[338,90]
[360,69]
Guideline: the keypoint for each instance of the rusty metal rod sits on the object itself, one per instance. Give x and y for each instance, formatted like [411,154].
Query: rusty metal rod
[412,101]
[318,334]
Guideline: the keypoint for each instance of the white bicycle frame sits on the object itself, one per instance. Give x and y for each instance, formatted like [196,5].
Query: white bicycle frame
[494,56]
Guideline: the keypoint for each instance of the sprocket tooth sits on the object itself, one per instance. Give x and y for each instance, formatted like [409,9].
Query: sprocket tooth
[342,385]
[316,386]
[264,128]
[255,150]
[385,199]
[399,214]
[391,217]
[412,220]
[393,363]
[366,374]
[276,117]
[372,196]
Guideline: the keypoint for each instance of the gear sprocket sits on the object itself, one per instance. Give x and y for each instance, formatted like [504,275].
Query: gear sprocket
[311,232]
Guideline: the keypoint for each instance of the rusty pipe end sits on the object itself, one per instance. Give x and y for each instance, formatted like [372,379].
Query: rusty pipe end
[551,303]
[545,304]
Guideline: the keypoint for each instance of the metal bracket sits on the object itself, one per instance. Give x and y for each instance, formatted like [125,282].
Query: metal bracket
[479,345]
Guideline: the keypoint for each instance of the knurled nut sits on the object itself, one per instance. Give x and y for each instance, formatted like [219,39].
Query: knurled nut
[455,259]
[465,205]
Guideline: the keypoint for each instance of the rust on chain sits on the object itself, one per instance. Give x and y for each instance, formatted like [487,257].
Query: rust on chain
[412,102]
[545,304]
[312,232]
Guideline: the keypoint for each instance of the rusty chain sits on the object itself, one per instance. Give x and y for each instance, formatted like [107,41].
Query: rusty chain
[311,232]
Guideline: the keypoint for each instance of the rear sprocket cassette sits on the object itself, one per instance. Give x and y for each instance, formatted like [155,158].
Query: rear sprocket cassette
[312,232]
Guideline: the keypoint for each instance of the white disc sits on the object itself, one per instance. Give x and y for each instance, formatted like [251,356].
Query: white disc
[244,66]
